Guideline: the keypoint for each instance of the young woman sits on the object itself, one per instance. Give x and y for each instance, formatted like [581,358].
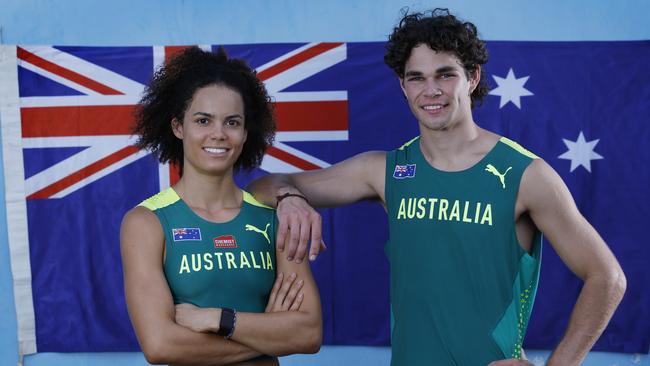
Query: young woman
[199,258]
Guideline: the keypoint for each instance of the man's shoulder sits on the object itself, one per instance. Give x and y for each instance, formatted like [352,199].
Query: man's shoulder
[409,144]
[515,148]
[404,151]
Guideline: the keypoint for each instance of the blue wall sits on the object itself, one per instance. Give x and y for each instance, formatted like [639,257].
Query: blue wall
[165,22]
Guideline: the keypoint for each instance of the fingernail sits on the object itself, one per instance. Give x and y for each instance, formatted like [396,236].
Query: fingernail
[289,259]
[300,282]
[298,260]
[293,275]
[312,257]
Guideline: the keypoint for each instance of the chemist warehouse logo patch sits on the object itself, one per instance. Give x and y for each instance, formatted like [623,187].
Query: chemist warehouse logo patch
[225,241]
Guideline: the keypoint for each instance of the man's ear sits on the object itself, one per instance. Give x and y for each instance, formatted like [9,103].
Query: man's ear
[401,85]
[475,78]
[177,128]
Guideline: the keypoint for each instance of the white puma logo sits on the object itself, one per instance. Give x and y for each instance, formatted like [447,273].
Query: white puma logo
[253,228]
[502,177]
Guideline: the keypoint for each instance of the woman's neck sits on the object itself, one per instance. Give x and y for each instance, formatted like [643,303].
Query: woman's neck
[209,192]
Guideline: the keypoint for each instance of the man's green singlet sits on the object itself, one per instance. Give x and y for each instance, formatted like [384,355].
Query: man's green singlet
[209,264]
[462,287]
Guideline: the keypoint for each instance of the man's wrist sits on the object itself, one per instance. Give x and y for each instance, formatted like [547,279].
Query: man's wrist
[287,189]
[287,195]
[288,192]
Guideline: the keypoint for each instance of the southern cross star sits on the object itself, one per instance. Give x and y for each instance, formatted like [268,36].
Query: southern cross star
[510,89]
[581,152]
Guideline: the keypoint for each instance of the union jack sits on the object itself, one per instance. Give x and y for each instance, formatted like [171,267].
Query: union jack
[99,116]
[66,125]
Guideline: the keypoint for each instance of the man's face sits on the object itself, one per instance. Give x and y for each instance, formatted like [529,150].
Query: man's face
[437,88]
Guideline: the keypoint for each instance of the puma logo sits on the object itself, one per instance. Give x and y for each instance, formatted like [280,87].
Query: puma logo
[253,228]
[502,177]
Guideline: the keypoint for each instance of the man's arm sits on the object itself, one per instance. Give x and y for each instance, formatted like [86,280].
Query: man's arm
[357,178]
[151,307]
[546,198]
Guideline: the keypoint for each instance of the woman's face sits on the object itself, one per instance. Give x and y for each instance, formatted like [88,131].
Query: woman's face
[212,130]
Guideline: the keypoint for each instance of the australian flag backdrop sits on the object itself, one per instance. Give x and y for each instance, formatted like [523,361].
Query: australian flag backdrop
[72,172]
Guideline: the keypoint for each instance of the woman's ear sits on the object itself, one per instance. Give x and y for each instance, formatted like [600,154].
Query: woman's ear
[177,128]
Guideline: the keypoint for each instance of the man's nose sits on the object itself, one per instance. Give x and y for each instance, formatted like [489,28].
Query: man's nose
[432,88]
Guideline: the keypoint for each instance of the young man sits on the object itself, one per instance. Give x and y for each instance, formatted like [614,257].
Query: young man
[469,204]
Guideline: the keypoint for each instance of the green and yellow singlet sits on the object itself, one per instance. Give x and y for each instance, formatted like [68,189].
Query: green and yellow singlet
[230,264]
[462,287]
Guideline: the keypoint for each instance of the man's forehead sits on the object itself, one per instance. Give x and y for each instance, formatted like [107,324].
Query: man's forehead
[440,67]
[423,55]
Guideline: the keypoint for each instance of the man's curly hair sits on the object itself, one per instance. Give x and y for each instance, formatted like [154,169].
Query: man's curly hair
[442,32]
[171,91]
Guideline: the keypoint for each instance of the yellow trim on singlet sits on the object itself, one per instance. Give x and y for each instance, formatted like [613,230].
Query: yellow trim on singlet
[160,200]
[248,198]
[169,196]
[518,148]
[408,143]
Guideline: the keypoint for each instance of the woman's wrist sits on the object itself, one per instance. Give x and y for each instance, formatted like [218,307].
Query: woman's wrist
[214,319]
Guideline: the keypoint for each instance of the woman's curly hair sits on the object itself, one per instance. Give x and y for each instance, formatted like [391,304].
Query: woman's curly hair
[170,93]
[442,32]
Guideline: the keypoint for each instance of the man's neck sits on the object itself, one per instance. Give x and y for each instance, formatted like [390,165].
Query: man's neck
[456,148]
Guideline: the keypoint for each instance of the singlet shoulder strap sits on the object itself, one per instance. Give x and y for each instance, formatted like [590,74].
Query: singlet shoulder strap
[518,148]
[161,200]
[248,198]
[407,144]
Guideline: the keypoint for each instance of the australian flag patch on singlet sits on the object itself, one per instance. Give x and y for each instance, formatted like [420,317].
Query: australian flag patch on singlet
[187,234]
[404,171]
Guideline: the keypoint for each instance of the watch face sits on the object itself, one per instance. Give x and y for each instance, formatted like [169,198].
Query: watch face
[227,322]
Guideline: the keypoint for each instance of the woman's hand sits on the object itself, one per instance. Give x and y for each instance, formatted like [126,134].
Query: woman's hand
[286,294]
[198,319]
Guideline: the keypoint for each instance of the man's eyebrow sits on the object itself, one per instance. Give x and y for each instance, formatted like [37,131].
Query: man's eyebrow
[445,69]
[441,70]
[413,73]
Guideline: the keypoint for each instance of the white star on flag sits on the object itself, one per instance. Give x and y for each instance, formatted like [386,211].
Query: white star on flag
[510,89]
[581,152]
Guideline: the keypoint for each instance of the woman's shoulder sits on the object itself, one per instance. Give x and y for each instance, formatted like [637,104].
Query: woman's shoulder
[249,199]
[160,200]
[140,217]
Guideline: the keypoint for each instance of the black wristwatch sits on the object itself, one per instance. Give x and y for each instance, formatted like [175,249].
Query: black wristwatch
[227,322]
